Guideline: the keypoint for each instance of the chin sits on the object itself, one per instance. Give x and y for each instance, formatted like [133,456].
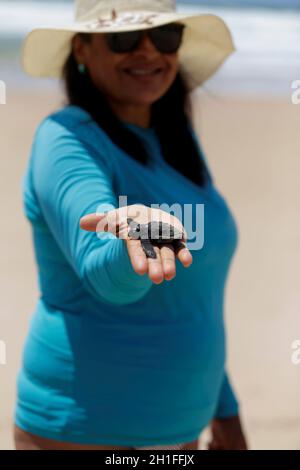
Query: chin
[145,99]
[143,102]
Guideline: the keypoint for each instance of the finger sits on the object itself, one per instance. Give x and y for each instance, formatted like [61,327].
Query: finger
[137,256]
[155,268]
[167,254]
[183,253]
[89,222]
[121,228]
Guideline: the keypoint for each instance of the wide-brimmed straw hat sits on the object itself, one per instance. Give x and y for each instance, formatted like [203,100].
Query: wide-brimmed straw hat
[206,44]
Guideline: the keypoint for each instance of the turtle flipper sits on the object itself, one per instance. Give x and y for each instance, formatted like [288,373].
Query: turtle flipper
[178,245]
[148,248]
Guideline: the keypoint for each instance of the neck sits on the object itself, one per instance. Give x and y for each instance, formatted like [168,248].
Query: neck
[133,114]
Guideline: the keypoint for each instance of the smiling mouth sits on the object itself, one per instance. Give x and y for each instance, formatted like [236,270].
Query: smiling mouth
[135,72]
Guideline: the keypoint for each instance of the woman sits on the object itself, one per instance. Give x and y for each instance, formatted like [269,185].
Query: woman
[116,357]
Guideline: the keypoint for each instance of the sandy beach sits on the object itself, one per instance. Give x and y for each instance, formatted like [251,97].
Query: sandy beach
[253,149]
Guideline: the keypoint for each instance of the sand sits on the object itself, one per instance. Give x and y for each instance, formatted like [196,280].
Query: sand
[253,149]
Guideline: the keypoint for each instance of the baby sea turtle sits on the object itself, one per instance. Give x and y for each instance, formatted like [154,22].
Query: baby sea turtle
[155,233]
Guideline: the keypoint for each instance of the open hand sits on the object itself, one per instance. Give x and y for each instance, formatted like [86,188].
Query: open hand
[163,267]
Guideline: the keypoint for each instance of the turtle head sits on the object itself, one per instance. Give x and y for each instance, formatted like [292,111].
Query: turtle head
[134,229]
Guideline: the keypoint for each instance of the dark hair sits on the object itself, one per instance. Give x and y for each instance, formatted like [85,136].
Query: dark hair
[169,118]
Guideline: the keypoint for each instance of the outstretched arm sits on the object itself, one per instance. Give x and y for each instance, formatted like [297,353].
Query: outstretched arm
[70,181]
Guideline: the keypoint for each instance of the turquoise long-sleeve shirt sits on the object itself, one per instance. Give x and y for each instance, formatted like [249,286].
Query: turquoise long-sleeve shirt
[110,357]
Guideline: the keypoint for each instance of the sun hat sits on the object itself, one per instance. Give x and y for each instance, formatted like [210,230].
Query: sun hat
[206,44]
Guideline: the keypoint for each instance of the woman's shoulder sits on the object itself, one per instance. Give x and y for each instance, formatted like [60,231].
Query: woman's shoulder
[70,131]
[69,117]
[71,123]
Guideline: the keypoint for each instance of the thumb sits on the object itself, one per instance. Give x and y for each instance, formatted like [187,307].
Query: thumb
[90,222]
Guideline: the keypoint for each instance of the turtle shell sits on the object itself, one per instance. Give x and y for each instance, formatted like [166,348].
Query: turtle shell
[159,232]
[154,233]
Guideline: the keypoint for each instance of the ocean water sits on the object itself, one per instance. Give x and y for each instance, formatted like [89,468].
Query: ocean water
[267,40]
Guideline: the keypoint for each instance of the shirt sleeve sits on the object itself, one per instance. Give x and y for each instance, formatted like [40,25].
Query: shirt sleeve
[227,405]
[71,180]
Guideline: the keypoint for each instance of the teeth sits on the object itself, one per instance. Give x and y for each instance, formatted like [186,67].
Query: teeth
[142,72]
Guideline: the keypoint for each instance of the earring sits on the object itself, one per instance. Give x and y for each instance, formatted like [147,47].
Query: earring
[81,68]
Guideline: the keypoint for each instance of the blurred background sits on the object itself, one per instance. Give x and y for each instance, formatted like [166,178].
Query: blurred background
[249,129]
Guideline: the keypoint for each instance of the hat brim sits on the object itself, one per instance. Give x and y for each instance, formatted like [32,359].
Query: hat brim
[207,44]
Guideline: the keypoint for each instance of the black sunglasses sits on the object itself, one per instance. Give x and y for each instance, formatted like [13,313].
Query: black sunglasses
[167,39]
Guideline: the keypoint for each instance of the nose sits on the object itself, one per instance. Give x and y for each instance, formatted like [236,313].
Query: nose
[146,46]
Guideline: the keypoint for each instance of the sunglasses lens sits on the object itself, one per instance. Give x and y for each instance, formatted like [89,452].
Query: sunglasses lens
[123,42]
[168,38]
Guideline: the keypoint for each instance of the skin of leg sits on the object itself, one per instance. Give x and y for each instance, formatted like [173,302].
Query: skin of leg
[194,445]
[27,441]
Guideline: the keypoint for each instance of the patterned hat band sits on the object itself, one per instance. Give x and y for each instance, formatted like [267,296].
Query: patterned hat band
[89,9]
